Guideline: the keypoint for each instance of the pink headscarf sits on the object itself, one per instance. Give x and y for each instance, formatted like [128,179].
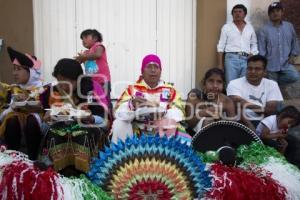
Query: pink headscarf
[150,59]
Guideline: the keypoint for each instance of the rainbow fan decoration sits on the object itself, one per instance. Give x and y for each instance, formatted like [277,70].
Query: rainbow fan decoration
[150,167]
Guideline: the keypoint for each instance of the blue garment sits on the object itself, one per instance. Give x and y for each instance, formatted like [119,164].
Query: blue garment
[277,44]
[91,67]
[286,76]
[235,66]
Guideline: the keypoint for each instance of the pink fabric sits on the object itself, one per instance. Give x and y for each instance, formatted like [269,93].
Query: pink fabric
[103,68]
[36,63]
[151,58]
[166,127]
[100,95]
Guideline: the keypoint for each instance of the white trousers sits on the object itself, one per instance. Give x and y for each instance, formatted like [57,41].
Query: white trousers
[121,130]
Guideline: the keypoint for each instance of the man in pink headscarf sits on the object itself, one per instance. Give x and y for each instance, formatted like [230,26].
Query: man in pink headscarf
[148,106]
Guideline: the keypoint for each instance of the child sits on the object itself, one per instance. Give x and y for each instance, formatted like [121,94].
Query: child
[273,129]
[73,142]
[20,126]
[94,58]
[210,104]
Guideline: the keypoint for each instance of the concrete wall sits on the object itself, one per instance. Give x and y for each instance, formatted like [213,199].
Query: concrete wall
[292,14]
[211,15]
[17,31]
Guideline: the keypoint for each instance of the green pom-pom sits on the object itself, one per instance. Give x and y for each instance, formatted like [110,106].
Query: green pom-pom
[209,156]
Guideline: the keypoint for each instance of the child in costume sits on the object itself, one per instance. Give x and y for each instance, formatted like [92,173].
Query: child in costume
[74,140]
[20,126]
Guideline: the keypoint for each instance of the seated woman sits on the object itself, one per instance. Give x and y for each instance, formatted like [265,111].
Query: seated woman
[149,93]
[210,105]
[78,111]
[20,125]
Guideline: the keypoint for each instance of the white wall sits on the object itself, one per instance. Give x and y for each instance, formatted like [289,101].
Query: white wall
[257,11]
[130,28]
[231,3]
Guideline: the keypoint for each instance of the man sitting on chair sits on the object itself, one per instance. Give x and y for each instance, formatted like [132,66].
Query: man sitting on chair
[150,105]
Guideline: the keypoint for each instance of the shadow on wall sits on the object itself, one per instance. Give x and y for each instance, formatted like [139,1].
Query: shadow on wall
[259,13]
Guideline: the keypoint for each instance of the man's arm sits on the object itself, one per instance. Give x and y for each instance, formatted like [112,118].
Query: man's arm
[271,108]
[221,60]
[221,47]
[295,51]
[253,44]
[243,104]
[274,97]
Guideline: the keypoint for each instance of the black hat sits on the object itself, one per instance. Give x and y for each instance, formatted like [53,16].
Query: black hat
[275,5]
[22,59]
[18,57]
[223,137]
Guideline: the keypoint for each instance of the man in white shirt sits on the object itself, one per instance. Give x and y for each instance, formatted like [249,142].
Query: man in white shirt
[254,94]
[237,41]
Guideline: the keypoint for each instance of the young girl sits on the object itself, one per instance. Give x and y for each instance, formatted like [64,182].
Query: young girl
[20,127]
[273,129]
[94,58]
[211,104]
[73,142]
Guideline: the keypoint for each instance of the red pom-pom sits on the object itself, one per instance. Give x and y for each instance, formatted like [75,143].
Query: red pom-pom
[21,180]
[235,183]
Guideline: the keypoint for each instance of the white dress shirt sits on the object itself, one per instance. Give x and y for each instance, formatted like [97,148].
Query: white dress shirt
[232,40]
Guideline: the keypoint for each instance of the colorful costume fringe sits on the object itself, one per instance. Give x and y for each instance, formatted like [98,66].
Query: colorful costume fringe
[20,179]
[273,162]
[72,145]
[150,167]
[153,167]
[263,174]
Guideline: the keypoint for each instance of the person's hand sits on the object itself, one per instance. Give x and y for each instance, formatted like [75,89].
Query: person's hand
[292,59]
[80,57]
[283,144]
[19,97]
[47,117]
[157,116]
[87,120]
[138,102]
[282,134]
[213,112]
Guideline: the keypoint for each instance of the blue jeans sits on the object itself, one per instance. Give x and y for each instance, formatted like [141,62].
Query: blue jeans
[235,66]
[286,76]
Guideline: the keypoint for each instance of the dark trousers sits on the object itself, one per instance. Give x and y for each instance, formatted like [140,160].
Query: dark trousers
[32,135]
